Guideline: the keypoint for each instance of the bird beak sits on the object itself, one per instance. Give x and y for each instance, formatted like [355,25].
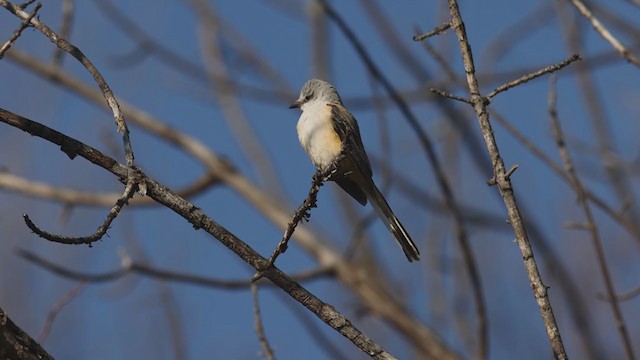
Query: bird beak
[295,104]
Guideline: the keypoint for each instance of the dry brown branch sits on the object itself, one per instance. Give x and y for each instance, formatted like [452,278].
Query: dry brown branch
[97,76]
[257,323]
[302,213]
[129,190]
[199,220]
[447,95]
[616,216]
[147,45]
[226,98]
[591,224]
[16,34]
[554,265]
[131,267]
[605,33]
[378,300]
[15,344]
[438,30]
[441,177]
[597,113]
[67,196]
[504,185]
[547,70]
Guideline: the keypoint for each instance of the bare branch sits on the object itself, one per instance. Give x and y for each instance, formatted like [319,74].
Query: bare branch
[97,77]
[438,30]
[596,111]
[557,169]
[441,179]
[525,78]
[264,343]
[591,224]
[130,266]
[210,38]
[449,96]
[604,32]
[68,196]
[16,34]
[384,304]
[129,190]
[302,213]
[16,344]
[504,185]
[199,220]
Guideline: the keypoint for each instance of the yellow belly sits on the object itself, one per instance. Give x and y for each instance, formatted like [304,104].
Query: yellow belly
[316,134]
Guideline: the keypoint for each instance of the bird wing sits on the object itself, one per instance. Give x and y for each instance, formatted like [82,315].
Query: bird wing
[346,126]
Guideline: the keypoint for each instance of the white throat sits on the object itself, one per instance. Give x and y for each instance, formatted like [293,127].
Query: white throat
[317,135]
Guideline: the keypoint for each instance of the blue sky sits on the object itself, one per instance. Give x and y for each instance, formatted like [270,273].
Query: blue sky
[128,318]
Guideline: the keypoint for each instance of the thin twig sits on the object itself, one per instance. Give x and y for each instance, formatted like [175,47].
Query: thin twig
[42,190]
[504,185]
[211,49]
[129,190]
[257,323]
[440,29]
[16,34]
[554,266]
[449,95]
[302,213]
[130,266]
[441,179]
[26,4]
[146,44]
[595,109]
[97,76]
[200,220]
[386,305]
[591,224]
[557,169]
[525,78]
[604,33]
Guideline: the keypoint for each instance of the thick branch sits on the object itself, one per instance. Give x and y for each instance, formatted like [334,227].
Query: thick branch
[378,300]
[97,76]
[15,344]
[200,220]
[504,185]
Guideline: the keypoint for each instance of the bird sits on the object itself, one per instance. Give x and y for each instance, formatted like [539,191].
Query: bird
[330,136]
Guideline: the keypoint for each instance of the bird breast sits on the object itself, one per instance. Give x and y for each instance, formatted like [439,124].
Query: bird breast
[317,135]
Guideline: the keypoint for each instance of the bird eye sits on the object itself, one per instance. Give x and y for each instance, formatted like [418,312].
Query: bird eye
[306,98]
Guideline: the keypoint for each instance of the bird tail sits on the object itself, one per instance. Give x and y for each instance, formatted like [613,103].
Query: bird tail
[392,223]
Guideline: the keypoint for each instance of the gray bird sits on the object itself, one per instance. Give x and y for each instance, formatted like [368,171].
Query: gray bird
[324,129]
